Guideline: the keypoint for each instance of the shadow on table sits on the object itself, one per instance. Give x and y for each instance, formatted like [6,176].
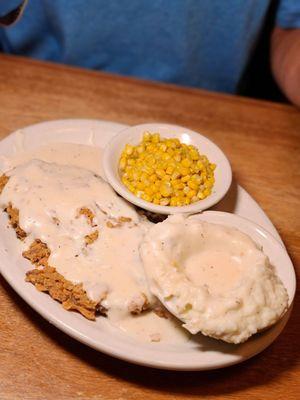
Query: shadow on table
[281,356]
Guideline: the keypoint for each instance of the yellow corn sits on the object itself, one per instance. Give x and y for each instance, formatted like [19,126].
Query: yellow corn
[185,178]
[193,185]
[166,191]
[191,194]
[186,162]
[164,202]
[166,171]
[170,170]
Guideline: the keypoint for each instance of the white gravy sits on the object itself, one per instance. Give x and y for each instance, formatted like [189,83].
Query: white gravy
[49,195]
[218,270]
[78,155]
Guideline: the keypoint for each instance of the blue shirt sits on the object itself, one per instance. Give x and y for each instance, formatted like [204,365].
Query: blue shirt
[202,43]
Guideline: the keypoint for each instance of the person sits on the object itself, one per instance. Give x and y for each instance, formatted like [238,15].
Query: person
[206,44]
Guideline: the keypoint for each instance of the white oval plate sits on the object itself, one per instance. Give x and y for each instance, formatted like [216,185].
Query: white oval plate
[133,135]
[198,354]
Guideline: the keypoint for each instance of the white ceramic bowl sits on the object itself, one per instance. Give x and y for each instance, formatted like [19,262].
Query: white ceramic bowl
[134,134]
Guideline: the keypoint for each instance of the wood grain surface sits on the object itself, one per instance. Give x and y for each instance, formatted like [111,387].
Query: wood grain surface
[261,139]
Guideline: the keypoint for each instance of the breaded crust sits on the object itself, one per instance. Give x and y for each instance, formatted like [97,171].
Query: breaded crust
[117,222]
[87,213]
[47,279]
[13,215]
[91,238]
[72,296]
[3,181]
[38,253]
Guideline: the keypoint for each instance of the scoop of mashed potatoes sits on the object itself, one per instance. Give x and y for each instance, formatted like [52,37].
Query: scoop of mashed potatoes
[213,278]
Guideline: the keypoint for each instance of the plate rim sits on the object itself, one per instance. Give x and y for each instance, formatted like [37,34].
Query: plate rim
[80,336]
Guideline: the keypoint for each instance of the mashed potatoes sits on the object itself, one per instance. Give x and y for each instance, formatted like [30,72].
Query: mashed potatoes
[213,278]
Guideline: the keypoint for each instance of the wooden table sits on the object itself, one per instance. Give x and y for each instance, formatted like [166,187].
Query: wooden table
[37,361]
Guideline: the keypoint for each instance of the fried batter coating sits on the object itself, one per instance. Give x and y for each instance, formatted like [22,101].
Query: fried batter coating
[117,222]
[87,213]
[13,215]
[46,278]
[72,296]
[3,181]
[91,238]
[38,253]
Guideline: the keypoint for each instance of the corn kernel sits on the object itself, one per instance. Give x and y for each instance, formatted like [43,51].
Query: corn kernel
[152,178]
[200,165]
[148,170]
[155,138]
[193,185]
[208,184]
[166,178]
[185,178]
[164,202]
[184,171]
[140,186]
[186,162]
[143,176]
[170,143]
[166,157]
[175,175]
[122,163]
[170,151]
[146,136]
[128,149]
[170,170]
[149,190]
[191,194]
[166,171]
[160,172]
[179,185]
[194,155]
[135,176]
[131,188]
[173,201]
[166,190]
[196,178]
